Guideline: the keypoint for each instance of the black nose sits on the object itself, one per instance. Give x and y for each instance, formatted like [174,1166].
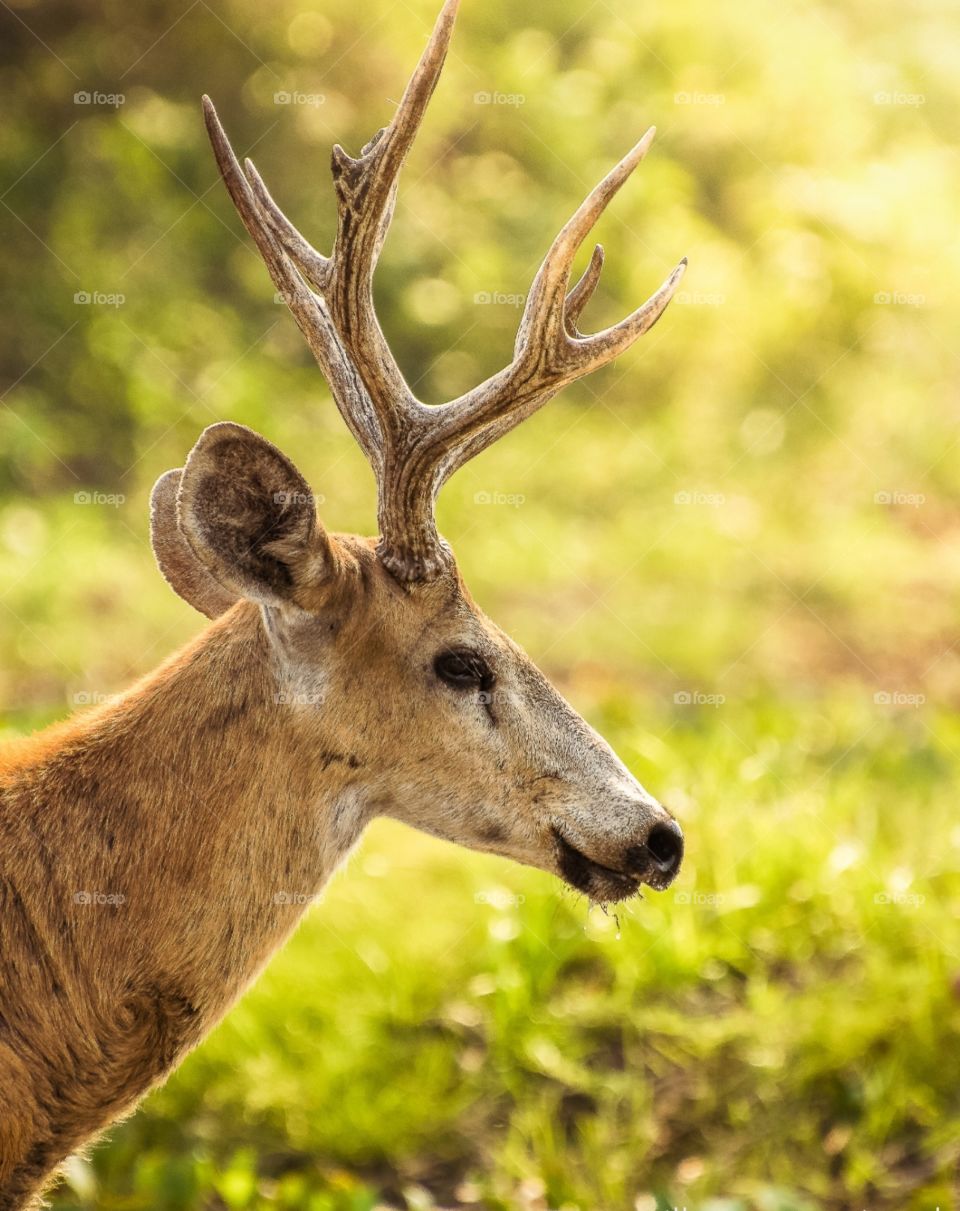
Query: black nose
[665,846]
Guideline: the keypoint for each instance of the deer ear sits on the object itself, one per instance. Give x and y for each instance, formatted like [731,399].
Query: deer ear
[181,569]
[250,518]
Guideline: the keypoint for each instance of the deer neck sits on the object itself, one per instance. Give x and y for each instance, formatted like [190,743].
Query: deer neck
[224,816]
[153,854]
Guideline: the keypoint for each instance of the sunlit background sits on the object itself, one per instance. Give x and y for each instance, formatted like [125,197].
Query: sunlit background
[737,552]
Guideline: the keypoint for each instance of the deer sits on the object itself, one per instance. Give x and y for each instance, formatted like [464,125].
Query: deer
[148,844]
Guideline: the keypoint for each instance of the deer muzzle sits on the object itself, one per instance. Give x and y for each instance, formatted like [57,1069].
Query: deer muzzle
[654,860]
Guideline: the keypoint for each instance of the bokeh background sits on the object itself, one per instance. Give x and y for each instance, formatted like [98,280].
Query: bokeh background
[737,552]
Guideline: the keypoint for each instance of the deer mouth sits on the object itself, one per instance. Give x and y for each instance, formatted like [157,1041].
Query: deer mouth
[601,883]
[607,884]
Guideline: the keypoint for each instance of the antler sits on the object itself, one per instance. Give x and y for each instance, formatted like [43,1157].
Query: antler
[415,448]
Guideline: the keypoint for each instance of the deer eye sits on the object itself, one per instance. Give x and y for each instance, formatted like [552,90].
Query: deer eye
[464,670]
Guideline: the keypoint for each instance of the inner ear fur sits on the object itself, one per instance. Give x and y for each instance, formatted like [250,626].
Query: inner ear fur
[250,517]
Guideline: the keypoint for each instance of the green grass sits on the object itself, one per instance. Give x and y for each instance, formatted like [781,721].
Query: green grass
[779,1030]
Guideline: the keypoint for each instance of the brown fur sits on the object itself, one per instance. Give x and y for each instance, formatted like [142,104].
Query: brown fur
[156,850]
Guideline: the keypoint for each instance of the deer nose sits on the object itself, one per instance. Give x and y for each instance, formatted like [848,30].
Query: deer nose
[665,846]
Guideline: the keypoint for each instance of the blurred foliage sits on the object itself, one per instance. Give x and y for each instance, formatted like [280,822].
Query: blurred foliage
[804,164]
[737,551]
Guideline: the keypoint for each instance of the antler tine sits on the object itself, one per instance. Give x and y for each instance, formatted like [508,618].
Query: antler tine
[582,293]
[366,189]
[366,185]
[550,351]
[550,284]
[313,264]
[400,134]
[612,341]
[246,203]
[273,241]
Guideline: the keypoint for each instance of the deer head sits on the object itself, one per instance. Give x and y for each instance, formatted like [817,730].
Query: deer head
[448,725]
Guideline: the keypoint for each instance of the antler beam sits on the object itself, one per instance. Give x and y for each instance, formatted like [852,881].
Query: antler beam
[414,448]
